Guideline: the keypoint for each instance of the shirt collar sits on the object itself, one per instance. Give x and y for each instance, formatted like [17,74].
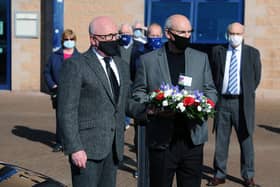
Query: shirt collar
[100,58]
[238,48]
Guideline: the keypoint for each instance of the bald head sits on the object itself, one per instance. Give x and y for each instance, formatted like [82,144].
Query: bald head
[126,29]
[235,28]
[178,31]
[178,22]
[137,25]
[154,30]
[103,32]
[102,25]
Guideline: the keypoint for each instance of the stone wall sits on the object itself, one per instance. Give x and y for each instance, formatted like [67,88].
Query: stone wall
[78,14]
[25,57]
[262,23]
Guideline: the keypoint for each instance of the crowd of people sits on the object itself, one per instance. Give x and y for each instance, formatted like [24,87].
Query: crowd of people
[99,93]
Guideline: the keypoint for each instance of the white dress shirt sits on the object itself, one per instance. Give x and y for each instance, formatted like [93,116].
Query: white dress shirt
[112,64]
[226,74]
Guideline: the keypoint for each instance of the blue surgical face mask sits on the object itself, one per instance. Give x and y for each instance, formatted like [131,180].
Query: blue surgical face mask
[125,39]
[137,33]
[69,44]
[154,43]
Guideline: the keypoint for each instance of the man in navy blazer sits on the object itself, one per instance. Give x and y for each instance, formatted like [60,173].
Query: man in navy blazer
[93,98]
[236,102]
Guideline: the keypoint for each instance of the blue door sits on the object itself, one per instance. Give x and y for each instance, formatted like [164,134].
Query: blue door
[5,45]
[209,18]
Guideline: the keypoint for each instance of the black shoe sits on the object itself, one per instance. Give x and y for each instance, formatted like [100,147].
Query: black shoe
[57,148]
[135,174]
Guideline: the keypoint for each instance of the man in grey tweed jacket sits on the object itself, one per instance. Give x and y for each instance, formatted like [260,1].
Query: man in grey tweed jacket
[91,117]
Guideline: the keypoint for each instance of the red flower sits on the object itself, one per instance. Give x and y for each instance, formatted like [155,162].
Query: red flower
[188,101]
[157,90]
[160,96]
[209,101]
[196,103]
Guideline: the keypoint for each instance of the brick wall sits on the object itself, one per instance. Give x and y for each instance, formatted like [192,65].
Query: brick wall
[262,23]
[25,52]
[78,14]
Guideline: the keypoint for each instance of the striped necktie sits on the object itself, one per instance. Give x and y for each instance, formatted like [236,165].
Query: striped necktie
[232,81]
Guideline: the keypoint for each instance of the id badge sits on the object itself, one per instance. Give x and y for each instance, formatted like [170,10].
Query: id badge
[185,80]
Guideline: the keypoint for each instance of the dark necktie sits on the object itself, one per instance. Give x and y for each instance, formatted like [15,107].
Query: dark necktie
[232,82]
[113,80]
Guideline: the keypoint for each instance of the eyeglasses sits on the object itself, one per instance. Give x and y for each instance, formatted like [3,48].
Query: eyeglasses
[180,32]
[108,37]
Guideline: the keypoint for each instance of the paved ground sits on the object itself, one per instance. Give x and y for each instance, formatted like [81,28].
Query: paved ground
[27,135]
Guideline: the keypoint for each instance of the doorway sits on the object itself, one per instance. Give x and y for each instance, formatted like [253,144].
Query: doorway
[5,45]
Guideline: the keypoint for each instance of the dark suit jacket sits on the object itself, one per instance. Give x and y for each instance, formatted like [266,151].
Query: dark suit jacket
[131,54]
[153,71]
[90,119]
[250,78]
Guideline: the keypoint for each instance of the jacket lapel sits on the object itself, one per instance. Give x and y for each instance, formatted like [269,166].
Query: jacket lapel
[97,68]
[187,62]
[223,55]
[163,65]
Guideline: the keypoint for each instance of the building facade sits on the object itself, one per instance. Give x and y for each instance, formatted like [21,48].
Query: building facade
[26,34]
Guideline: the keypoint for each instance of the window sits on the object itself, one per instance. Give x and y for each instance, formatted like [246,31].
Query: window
[209,18]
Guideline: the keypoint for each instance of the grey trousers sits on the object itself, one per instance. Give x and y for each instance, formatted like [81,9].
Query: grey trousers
[230,114]
[98,173]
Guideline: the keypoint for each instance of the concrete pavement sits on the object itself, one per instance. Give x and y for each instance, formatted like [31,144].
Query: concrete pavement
[27,136]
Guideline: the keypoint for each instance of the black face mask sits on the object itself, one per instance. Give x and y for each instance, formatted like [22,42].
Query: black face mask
[110,48]
[180,42]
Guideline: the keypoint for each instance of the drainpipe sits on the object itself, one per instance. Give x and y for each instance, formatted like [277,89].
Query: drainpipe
[58,23]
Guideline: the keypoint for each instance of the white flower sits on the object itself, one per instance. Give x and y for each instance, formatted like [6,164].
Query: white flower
[181,107]
[178,97]
[196,100]
[168,93]
[153,95]
[199,108]
[184,92]
[164,103]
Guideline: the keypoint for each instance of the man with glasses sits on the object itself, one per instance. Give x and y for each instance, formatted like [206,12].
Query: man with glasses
[175,143]
[93,98]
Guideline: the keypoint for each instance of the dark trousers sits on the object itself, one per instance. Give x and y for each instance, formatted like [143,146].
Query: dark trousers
[182,158]
[98,173]
[58,136]
[230,114]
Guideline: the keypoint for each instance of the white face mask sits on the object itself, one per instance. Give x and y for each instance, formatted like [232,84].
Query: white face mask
[235,40]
